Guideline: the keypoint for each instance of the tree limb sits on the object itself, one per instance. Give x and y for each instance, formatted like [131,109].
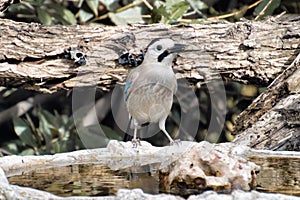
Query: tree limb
[272,121]
[248,51]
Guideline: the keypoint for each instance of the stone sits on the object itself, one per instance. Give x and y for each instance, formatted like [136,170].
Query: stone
[206,167]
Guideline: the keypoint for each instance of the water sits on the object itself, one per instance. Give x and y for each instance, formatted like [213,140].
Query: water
[82,179]
[277,174]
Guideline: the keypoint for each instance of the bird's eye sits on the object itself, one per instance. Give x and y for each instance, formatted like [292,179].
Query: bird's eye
[159,47]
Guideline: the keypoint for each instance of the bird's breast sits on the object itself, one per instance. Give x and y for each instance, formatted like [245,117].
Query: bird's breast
[150,102]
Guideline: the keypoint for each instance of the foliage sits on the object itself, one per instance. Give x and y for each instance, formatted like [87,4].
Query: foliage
[266,7]
[53,133]
[42,132]
[170,11]
[47,12]
[119,12]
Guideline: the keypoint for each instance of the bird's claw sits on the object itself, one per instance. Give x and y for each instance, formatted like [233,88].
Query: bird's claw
[135,142]
[175,142]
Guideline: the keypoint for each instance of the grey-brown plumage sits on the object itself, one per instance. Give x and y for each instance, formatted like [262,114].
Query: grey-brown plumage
[150,87]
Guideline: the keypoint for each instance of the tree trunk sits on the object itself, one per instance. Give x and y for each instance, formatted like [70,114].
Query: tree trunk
[255,52]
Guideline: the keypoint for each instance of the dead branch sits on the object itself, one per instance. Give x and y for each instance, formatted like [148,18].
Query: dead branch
[248,51]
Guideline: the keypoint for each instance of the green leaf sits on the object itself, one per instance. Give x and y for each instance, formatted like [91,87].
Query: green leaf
[85,16]
[111,5]
[178,10]
[11,147]
[18,8]
[170,4]
[8,92]
[158,4]
[44,16]
[27,152]
[49,117]
[93,5]
[38,2]
[24,132]
[61,118]
[197,5]
[32,126]
[62,146]
[45,130]
[266,7]
[78,3]
[159,14]
[129,16]
[170,12]
[64,15]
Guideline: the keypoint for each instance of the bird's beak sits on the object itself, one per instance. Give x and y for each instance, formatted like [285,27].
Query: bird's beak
[177,48]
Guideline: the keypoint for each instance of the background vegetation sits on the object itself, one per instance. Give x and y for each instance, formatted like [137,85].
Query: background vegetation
[46,125]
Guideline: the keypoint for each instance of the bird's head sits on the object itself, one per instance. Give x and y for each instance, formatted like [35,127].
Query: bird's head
[162,51]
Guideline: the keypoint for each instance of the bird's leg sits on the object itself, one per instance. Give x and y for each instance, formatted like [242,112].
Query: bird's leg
[134,140]
[163,128]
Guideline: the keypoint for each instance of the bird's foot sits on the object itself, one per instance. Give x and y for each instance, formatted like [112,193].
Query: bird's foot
[135,142]
[175,142]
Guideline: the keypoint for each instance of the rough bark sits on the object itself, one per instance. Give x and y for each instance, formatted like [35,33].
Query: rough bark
[272,121]
[248,51]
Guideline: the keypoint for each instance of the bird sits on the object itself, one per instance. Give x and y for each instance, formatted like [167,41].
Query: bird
[150,87]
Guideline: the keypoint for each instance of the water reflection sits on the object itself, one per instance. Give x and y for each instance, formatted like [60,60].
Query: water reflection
[277,174]
[82,179]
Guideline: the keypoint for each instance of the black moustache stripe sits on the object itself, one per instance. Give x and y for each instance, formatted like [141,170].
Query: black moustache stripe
[163,55]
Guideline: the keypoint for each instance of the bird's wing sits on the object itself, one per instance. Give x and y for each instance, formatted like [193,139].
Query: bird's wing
[130,79]
[126,92]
